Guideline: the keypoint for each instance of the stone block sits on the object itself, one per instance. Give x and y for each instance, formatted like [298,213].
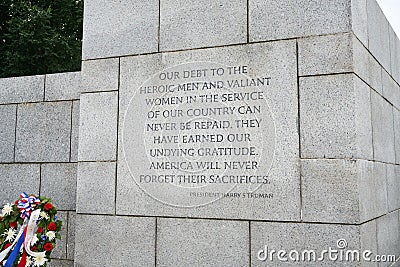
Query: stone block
[18,178]
[58,182]
[394,54]
[224,242]
[388,236]
[192,25]
[71,235]
[100,75]
[60,251]
[382,129]
[7,132]
[272,20]
[378,34]
[330,191]
[98,126]
[380,188]
[369,241]
[390,89]
[43,132]
[359,20]
[60,263]
[21,89]
[396,127]
[393,186]
[116,28]
[274,59]
[135,238]
[96,187]
[325,54]
[303,238]
[75,132]
[338,124]
[63,86]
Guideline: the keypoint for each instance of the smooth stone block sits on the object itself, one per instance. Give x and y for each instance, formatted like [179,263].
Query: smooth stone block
[119,27]
[202,23]
[393,186]
[58,182]
[382,129]
[135,238]
[60,263]
[100,75]
[378,34]
[43,132]
[359,20]
[395,55]
[18,178]
[325,54]
[338,125]
[75,132]
[380,188]
[202,243]
[21,89]
[98,126]
[268,236]
[388,236]
[7,132]
[60,250]
[396,127]
[369,241]
[390,89]
[272,20]
[330,191]
[71,235]
[63,86]
[96,187]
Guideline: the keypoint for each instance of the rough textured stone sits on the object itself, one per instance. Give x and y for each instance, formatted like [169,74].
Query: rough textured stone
[75,131]
[359,20]
[59,183]
[396,127]
[193,25]
[390,89]
[382,129]
[325,54]
[135,238]
[275,59]
[63,86]
[395,55]
[96,182]
[119,27]
[393,186]
[7,132]
[43,132]
[378,34]
[98,126]
[19,178]
[300,237]
[271,20]
[60,251]
[388,236]
[71,235]
[100,75]
[338,124]
[21,89]
[224,242]
[330,191]
[60,263]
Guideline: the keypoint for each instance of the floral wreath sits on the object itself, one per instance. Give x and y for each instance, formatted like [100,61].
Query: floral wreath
[28,232]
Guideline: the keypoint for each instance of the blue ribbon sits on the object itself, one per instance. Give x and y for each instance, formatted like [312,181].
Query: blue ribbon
[14,253]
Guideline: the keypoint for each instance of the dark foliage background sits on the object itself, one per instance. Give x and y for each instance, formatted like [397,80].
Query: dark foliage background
[40,36]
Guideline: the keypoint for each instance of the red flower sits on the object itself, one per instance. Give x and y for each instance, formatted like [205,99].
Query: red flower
[1,218]
[13,224]
[16,201]
[7,246]
[48,206]
[48,246]
[34,248]
[40,230]
[52,226]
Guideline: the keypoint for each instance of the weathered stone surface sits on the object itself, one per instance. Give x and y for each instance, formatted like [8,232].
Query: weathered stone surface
[369,241]
[382,129]
[330,191]
[71,235]
[100,75]
[390,89]
[43,132]
[63,86]
[58,182]
[7,132]
[395,55]
[359,20]
[75,131]
[338,124]
[19,178]
[135,238]
[393,186]
[380,194]
[60,251]
[98,126]
[117,28]
[396,127]
[271,20]
[60,263]
[224,242]
[325,54]
[192,25]
[21,89]
[96,180]
[388,236]
[300,237]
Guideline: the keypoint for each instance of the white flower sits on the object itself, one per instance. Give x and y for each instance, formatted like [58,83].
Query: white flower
[51,235]
[34,240]
[10,234]
[40,259]
[28,261]
[43,214]
[7,209]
